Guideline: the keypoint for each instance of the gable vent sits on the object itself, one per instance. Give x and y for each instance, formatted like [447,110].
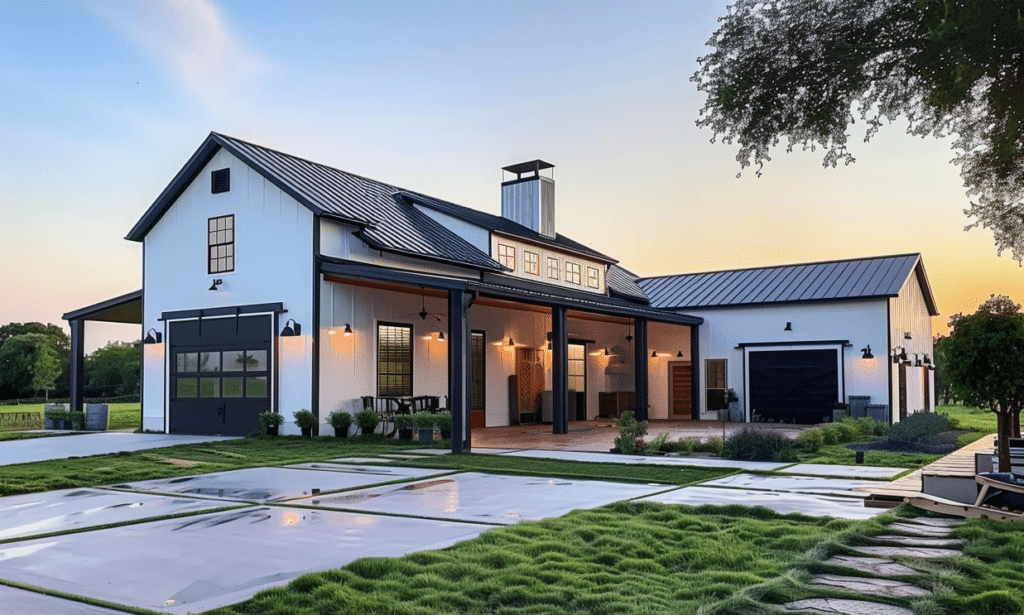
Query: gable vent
[220,180]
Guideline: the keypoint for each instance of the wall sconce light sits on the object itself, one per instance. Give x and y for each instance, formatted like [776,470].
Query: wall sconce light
[917,360]
[903,355]
[217,282]
[291,328]
[153,337]
[348,330]
[927,360]
[867,353]
[906,335]
[440,336]
[511,343]
[654,354]
[789,326]
[679,355]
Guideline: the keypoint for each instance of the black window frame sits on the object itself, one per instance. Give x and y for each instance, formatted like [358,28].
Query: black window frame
[477,346]
[220,181]
[218,237]
[720,397]
[411,371]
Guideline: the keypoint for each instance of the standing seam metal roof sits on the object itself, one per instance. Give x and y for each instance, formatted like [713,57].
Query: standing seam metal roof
[882,276]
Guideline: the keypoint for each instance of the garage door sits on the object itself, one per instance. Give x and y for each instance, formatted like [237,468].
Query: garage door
[221,374]
[793,385]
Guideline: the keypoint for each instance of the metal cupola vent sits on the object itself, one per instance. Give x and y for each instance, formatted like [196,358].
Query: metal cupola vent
[529,199]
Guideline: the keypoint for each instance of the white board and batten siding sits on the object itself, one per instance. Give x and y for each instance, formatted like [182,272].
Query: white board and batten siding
[273,263]
[908,313]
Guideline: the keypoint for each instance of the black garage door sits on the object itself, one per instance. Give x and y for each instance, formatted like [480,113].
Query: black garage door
[793,385]
[221,374]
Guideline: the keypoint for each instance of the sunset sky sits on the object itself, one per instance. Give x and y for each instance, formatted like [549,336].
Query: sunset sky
[103,102]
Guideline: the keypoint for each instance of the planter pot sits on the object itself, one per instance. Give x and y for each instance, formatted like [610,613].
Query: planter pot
[341,432]
[405,434]
[307,432]
[735,412]
[272,430]
[65,425]
[96,416]
[446,434]
[426,434]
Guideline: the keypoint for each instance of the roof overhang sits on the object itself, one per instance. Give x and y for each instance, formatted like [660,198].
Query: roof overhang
[124,309]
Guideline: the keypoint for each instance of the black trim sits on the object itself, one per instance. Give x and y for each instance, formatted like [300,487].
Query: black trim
[255,308]
[888,356]
[695,373]
[142,347]
[800,343]
[314,402]
[641,378]
[559,371]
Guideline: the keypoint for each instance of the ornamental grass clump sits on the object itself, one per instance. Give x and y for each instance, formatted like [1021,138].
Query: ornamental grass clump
[631,434]
[920,427]
[759,445]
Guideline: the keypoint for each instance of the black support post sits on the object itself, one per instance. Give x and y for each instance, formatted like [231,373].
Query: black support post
[458,370]
[77,365]
[695,369]
[640,363]
[559,371]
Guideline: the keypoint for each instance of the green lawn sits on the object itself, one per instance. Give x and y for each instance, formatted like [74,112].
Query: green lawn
[970,418]
[837,454]
[122,416]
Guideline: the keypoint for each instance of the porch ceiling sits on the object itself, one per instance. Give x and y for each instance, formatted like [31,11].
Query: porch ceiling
[124,309]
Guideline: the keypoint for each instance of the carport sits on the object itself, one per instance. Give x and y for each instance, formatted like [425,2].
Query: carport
[126,309]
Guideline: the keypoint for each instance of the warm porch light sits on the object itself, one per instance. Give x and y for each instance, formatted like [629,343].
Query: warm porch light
[679,355]
[348,330]
[867,353]
[291,328]
[511,343]
[654,354]
[440,336]
[153,337]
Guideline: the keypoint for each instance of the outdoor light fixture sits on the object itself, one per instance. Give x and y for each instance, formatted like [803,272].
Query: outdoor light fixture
[511,343]
[440,336]
[679,355]
[348,330]
[217,282]
[291,328]
[654,354]
[867,353]
[789,326]
[903,355]
[906,335]
[153,337]
[927,360]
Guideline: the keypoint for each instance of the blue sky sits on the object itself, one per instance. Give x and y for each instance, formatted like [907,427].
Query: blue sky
[104,101]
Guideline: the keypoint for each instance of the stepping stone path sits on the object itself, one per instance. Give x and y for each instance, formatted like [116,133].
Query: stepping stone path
[929,540]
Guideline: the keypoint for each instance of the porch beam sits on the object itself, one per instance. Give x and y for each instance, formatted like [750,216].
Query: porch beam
[458,370]
[559,371]
[640,363]
[77,367]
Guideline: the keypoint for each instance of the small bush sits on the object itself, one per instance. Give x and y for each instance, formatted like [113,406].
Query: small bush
[715,446]
[759,445]
[810,441]
[829,434]
[658,443]
[339,419]
[631,434]
[844,432]
[864,427]
[367,420]
[269,419]
[919,427]
[304,419]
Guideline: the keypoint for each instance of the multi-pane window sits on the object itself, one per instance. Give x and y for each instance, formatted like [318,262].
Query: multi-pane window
[221,373]
[593,277]
[552,267]
[477,359]
[531,262]
[221,244]
[394,360]
[715,384]
[507,256]
[577,367]
[573,273]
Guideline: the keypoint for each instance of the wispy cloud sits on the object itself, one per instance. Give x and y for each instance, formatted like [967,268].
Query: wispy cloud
[192,41]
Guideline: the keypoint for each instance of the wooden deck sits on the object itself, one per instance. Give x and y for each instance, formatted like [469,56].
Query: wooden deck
[952,473]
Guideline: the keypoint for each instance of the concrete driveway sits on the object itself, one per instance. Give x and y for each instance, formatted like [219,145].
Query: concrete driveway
[86,444]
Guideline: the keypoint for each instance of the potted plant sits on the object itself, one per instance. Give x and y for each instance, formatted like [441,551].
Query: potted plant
[340,421]
[306,421]
[367,420]
[443,420]
[735,409]
[404,423]
[424,422]
[270,422]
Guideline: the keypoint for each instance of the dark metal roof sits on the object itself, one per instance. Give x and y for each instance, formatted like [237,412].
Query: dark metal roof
[623,283]
[863,278]
[505,226]
[525,167]
[126,309]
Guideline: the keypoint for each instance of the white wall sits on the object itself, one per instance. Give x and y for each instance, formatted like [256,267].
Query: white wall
[273,263]
[861,322]
[478,237]
[908,313]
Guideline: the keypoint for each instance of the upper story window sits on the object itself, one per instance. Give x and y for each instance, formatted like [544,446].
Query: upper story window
[220,180]
[531,262]
[507,256]
[593,277]
[573,273]
[221,244]
[552,267]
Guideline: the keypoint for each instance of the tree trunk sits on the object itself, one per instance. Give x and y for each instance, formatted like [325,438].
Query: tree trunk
[1015,424]
[1004,421]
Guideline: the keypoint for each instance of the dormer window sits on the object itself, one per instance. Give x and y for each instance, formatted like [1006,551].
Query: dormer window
[593,277]
[552,267]
[221,244]
[573,273]
[507,256]
[531,262]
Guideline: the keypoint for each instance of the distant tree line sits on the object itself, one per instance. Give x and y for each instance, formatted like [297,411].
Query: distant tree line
[35,361]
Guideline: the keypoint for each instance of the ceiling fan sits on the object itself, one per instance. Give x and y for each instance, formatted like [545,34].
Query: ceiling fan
[423,313]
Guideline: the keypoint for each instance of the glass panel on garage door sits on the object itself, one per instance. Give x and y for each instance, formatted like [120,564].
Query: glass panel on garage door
[793,385]
[220,374]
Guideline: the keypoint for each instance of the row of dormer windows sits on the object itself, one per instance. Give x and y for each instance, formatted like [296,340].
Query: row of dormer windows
[572,272]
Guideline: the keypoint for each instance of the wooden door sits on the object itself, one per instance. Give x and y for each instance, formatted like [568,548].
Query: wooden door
[680,378]
[530,380]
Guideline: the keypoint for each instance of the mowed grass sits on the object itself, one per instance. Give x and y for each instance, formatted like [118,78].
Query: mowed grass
[970,418]
[121,416]
[837,454]
[623,558]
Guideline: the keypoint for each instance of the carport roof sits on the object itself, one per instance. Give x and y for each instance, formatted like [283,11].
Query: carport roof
[126,309]
[861,278]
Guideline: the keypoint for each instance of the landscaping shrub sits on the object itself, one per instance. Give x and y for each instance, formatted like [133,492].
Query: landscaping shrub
[829,434]
[631,434]
[759,445]
[715,446]
[657,443]
[864,427]
[920,427]
[810,441]
[845,432]
[367,420]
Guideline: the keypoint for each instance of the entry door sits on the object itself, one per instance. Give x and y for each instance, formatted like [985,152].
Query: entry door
[681,389]
[220,374]
[529,379]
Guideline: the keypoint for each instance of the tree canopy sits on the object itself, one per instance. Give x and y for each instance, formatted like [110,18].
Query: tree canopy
[29,363]
[984,357]
[807,70]
[114,370]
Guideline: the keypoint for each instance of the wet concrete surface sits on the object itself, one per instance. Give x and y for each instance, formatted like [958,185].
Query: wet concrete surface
[276,484]
[782,502]
[209,560]
[797,484]
[73,509]
[84,445]
[23,602]
[486,498]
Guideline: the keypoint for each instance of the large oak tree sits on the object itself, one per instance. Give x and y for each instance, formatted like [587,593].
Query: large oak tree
[808,70]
